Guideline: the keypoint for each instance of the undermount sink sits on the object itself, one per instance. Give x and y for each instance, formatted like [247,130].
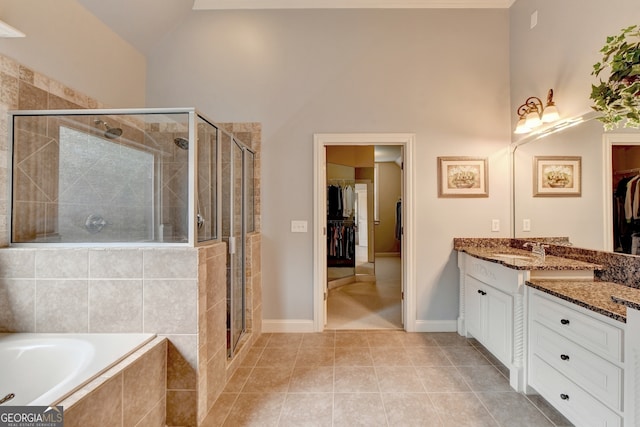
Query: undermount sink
[512,256]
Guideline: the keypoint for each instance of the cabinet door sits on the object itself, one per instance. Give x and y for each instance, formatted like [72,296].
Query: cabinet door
[474,300]
[499,323]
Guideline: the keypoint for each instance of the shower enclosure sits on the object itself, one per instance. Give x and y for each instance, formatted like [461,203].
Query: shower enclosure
[134,177]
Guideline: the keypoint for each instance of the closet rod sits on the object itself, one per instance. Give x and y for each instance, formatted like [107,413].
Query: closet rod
[626,171]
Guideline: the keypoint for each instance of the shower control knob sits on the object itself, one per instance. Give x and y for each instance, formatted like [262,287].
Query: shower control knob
[94,223]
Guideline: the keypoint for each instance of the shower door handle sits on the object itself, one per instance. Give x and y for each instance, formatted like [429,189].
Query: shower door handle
[232,245]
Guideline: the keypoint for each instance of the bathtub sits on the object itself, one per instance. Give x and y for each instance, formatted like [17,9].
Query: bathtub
[42,369]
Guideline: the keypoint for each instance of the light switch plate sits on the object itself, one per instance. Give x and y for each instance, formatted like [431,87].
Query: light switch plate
[495,225]
[526,225]
[298,226]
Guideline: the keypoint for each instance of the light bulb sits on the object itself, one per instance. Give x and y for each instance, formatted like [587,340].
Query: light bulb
[533,120]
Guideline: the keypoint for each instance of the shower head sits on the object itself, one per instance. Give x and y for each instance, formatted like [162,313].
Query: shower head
[182,143]
[110,133]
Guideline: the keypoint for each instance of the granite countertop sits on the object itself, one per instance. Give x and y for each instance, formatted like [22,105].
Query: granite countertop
[606,298]
[628,298]
[519,259]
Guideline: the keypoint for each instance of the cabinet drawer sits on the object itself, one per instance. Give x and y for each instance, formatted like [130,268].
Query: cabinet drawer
[600,377]
[576,404]
[496,275]
[591,333]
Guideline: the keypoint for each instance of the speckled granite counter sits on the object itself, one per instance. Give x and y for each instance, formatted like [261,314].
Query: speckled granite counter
[607,298]
[628,299]
[519,259]
[595,296]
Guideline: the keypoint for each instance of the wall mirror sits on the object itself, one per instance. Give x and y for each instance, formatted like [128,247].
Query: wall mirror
[590,219]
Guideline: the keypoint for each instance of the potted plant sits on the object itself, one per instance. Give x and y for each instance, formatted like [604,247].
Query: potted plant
[618,98]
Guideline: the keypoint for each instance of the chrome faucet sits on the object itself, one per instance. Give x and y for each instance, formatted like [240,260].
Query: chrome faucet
[538,249]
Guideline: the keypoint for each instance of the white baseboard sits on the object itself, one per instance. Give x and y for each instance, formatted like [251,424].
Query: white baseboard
[297,326]
[436,325]
[291,326]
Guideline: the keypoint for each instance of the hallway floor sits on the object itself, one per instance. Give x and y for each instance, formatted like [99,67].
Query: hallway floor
[368,305]
[374,378]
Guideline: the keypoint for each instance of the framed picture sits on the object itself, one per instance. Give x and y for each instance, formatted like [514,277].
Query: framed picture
[557,176]
[463,177]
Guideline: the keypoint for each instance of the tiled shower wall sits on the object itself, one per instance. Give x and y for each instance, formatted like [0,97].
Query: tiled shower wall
[174,292]
[24,89]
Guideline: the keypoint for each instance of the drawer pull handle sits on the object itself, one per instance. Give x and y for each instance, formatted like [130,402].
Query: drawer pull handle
[481,292]
[564,357]
[564,321]
[564,396]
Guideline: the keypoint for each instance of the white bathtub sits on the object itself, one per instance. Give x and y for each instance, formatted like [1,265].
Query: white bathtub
[42,369]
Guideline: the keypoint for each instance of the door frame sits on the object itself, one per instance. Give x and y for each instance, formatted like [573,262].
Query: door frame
[320,142]
[609,141]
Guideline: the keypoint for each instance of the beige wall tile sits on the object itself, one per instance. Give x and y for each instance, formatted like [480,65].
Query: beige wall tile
[31,97]
[115,263]
[170,263]
[17,305]
[170,306]
[216,280]
[157,416]
[217,328]
[181,408]
[144,384]
[62,263]
[115,305]
[180,373]
[9,90]
[17,263]
[216,375]
[103,407]
[62,306]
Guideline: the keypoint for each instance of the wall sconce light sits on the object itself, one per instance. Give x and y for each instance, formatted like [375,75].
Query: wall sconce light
[533,114]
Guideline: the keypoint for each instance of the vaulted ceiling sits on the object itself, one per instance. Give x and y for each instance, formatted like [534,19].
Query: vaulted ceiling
[143,22]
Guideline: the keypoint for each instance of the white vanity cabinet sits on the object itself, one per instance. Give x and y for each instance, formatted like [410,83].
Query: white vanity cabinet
[632,369]
[575,360]
[489,317]
[491,311]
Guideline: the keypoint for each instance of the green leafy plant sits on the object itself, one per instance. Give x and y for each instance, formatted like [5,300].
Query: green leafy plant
[618,98]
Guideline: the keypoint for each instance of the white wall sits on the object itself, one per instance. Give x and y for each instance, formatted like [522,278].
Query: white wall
[559,53]
[441,74]
[68,44]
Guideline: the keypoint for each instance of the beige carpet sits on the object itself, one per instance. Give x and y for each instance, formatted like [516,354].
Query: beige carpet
[368,305]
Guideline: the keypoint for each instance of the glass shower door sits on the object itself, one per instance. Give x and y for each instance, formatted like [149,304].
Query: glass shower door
[233,226]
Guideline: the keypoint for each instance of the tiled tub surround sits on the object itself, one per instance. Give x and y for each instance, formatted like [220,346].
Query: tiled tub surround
[104,290]
[177,293]
[131,393]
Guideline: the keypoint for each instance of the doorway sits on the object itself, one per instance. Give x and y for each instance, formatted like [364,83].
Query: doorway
[365,217]
[622,172]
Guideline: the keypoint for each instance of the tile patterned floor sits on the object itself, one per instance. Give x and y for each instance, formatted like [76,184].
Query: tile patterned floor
[374,378]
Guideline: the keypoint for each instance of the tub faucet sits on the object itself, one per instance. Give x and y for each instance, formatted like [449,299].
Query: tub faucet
[537,249]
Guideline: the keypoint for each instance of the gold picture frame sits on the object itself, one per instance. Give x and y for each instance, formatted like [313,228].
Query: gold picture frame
[557,176]
[463,177]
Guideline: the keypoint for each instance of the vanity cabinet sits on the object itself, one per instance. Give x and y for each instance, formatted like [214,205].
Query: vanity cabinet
[489,317]
[576,360]
[491,311]
[632,369]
